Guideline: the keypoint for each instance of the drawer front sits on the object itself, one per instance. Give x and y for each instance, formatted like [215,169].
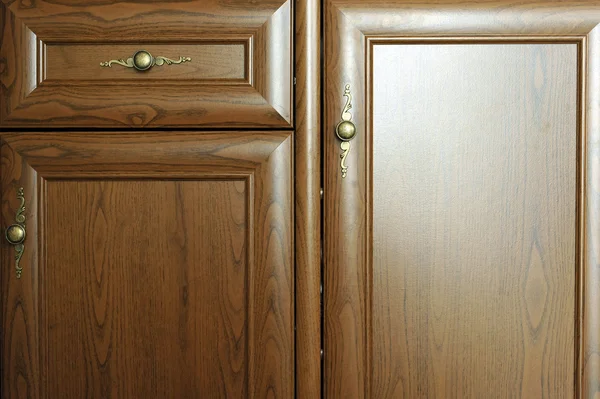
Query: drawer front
[211,63]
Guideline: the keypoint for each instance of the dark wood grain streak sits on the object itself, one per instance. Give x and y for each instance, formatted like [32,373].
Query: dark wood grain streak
[308,201]
[173,276]
[348,360]
[31,34]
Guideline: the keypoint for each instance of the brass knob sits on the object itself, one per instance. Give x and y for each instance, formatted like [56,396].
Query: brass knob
[142,60]
[345,130]
[15,234]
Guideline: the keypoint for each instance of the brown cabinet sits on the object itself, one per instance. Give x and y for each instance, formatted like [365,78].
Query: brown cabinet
[158,263]
[163,173]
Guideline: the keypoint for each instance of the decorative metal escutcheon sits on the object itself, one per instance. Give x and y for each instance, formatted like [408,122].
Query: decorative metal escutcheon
[142,60]
[15,233]
[346,130]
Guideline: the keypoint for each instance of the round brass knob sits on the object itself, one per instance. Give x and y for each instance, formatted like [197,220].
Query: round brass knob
[15,234]
[142,60]
[345,130]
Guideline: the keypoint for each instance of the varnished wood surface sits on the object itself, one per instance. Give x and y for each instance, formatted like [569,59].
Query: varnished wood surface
[464,18]
[211,63]
[345,362]
[308,201]
[38,40]
[145,289]
[349,25]
[474,221]
[165,266]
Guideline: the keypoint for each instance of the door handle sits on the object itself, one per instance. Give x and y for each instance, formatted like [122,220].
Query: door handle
[15,233]
[142,60]
[346,130]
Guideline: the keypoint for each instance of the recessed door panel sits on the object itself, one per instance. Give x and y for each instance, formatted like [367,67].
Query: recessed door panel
[474,219]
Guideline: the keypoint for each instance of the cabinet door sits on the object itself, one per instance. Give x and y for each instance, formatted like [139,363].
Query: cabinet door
[154,266]
[462,246]
[213,63]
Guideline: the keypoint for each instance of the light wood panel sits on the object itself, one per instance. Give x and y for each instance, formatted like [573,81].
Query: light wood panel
[155,265]
[474,220]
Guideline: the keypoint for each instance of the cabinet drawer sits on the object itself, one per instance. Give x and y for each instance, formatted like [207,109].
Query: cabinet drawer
[212,63]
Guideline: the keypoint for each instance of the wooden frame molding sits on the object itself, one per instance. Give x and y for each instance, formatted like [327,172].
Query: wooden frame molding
[352,26]
[308,199]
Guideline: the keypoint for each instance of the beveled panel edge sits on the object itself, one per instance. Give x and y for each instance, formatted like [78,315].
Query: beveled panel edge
[270,106]
[105,22]
[308,198]
[550,26]
[589,191]
[54,154]
[20,297]
[462,18]
[273,62]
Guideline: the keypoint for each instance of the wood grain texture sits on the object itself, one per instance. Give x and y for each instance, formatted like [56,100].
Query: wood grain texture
[20,308]
[212,63]
[345,367]
[30,34]
[146,288]
[173,276]
[308,199]
[349,26]
[474,220]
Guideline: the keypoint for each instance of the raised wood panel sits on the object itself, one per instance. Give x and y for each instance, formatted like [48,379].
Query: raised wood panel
[154,266]
[384,245]
[50,73]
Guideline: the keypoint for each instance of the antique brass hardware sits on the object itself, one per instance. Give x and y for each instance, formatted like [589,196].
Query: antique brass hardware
[346,130]
[15,233]
[142,60]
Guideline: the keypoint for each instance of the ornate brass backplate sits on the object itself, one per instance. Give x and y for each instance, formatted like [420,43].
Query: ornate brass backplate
[346,130]
[142,60]
[15,233]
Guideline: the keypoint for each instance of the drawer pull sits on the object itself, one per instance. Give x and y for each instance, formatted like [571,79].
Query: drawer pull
[15,234]
[346,130]
[142,60]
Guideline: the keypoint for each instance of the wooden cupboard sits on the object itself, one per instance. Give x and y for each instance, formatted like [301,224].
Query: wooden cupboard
[461,247]
[167,162]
